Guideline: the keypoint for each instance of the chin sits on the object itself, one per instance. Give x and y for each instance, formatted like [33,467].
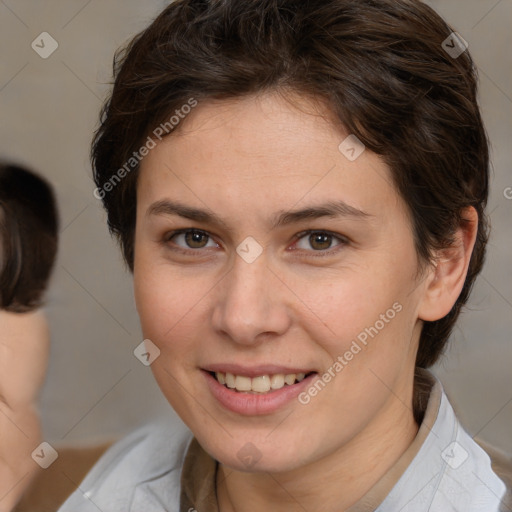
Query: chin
[240,453]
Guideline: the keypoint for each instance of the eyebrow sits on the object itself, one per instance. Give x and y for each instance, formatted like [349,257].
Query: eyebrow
[282,218]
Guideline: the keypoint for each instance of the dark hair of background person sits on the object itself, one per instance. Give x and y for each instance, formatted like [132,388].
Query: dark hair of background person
[378,65]
[28,238]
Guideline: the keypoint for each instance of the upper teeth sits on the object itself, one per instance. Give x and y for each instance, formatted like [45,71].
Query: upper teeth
[260,384]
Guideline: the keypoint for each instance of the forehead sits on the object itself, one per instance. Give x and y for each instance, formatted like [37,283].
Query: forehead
[260,151]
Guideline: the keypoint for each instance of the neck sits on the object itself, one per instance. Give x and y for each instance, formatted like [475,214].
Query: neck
[331,484]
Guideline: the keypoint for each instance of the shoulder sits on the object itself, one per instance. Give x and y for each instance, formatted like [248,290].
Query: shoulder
[501,464]
[135,471]
[450,471]
[35,319]
[24,350]
[23,331]
[467,478]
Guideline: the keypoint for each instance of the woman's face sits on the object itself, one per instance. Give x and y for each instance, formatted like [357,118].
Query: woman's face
[266,255]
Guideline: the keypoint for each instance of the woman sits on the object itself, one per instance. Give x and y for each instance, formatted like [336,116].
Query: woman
[28,246]
[299,189]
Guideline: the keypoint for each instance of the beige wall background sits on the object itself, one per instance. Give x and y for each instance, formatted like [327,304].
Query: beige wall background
[49,107]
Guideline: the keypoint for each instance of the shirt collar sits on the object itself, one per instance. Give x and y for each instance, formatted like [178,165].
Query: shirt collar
[198,477]
[427,399]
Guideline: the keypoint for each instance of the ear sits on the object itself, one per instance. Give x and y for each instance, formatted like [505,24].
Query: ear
[446,279]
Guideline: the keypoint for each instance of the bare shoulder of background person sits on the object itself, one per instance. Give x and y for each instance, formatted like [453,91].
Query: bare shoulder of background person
[28,247]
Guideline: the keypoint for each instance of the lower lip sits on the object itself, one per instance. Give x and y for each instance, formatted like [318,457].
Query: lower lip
[254,404]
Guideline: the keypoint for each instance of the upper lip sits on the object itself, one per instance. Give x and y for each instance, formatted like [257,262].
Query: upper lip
[255,370]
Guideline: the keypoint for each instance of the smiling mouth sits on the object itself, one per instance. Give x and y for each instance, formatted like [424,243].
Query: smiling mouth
[260,384]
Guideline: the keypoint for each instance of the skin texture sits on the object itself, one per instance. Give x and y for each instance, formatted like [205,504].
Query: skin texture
[247,160]
[24,348]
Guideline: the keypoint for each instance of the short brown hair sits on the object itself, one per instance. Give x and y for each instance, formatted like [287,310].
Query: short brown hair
[28,237]
[379,65]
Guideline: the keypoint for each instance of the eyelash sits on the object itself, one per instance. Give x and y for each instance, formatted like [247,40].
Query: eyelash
[320,253]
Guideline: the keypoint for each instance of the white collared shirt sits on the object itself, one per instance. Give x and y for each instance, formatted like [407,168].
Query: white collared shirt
[443,470]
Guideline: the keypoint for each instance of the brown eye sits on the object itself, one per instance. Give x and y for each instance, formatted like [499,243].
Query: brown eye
[312,241]
[196,239]
[320,241]
[191,239]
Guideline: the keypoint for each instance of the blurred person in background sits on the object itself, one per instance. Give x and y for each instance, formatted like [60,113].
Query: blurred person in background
[28,248]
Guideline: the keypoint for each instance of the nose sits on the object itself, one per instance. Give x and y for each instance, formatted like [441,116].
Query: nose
[250,304]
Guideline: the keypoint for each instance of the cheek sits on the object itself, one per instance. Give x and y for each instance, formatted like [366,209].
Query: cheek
[171,306]
[337,308]
[366,326]
[154,297]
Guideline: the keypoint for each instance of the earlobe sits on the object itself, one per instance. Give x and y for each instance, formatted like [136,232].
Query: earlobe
[449,271]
